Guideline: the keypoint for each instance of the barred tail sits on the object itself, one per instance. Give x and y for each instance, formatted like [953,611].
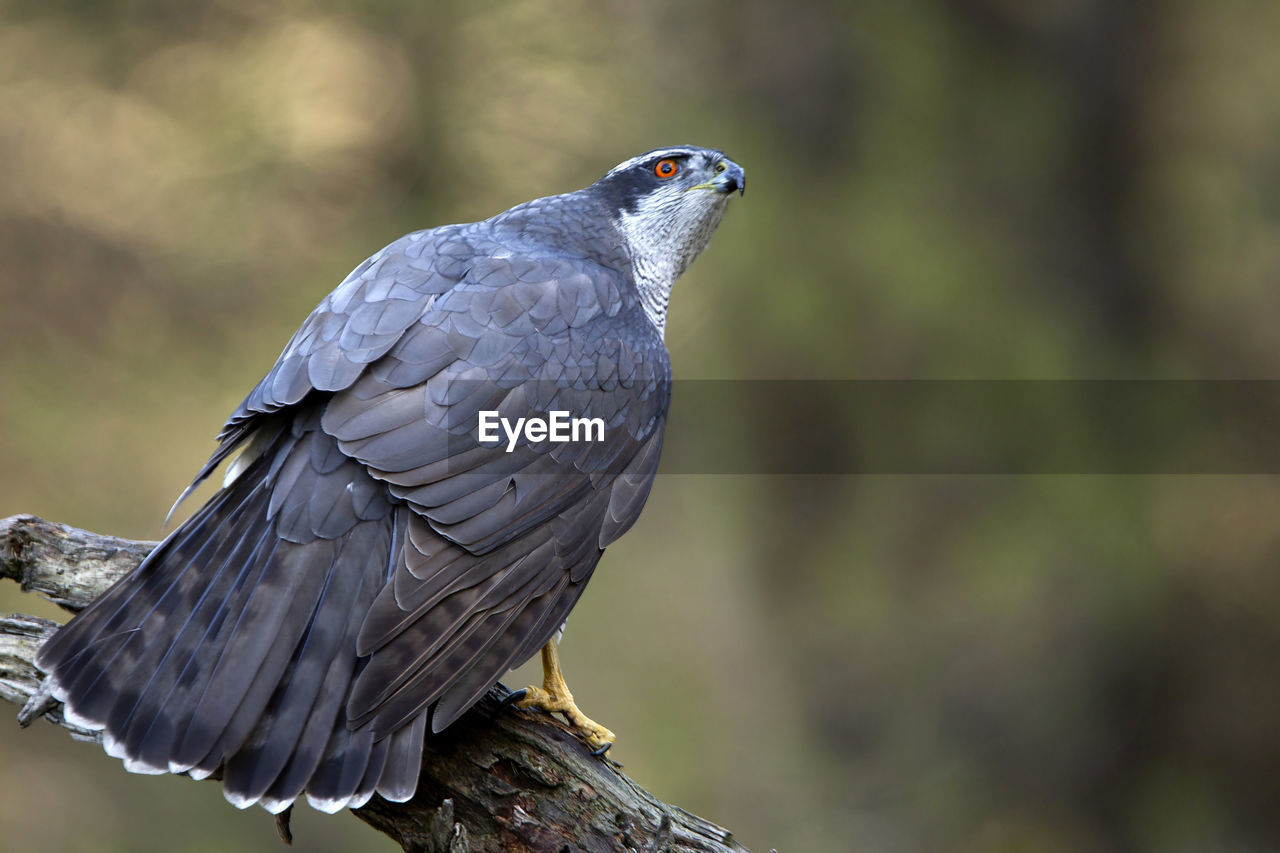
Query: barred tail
[233,645]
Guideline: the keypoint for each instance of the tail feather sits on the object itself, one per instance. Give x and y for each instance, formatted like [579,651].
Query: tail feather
[327,712]
[234,646]
[114,646]
[82,652]
[373,771]
[256,649]
[253,769]
[148,720]
[399,777]
[326,716]
[336,781]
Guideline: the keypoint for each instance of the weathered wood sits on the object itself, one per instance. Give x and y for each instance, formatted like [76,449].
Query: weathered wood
[508,781]
[69,566]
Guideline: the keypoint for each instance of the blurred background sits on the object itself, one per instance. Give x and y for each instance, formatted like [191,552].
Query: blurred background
[977,189]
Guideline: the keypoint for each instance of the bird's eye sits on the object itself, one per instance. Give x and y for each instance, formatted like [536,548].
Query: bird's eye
[666,168]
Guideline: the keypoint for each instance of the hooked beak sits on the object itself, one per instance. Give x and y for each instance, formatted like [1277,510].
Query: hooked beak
[729,177]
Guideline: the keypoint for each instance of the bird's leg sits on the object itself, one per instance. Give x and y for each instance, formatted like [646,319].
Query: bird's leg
[554,695]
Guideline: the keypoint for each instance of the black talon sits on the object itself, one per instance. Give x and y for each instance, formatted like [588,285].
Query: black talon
[601,751]
[510,699]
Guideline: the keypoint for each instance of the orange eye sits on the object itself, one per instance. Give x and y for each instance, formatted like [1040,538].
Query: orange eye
[665,168]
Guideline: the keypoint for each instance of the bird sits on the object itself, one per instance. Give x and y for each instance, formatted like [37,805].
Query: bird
[374,561]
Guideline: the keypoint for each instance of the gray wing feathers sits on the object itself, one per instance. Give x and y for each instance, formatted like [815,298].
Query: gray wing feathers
[500,539]
[356,324]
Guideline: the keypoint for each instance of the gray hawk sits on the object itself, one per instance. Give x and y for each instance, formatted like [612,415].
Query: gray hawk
[372,564]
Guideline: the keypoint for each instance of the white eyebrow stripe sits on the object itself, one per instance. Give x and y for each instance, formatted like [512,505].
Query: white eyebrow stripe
[687,152]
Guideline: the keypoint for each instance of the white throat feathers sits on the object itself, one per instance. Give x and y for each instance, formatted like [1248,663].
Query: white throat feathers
[665,232]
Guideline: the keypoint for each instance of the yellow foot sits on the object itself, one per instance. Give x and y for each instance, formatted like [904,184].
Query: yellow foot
[554,696]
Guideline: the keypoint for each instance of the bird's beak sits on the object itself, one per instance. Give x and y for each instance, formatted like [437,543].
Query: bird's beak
[729,177]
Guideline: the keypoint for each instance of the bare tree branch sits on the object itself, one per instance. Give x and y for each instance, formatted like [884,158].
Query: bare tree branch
[509,781]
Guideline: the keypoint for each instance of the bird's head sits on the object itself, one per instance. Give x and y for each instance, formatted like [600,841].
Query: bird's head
[667,204]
